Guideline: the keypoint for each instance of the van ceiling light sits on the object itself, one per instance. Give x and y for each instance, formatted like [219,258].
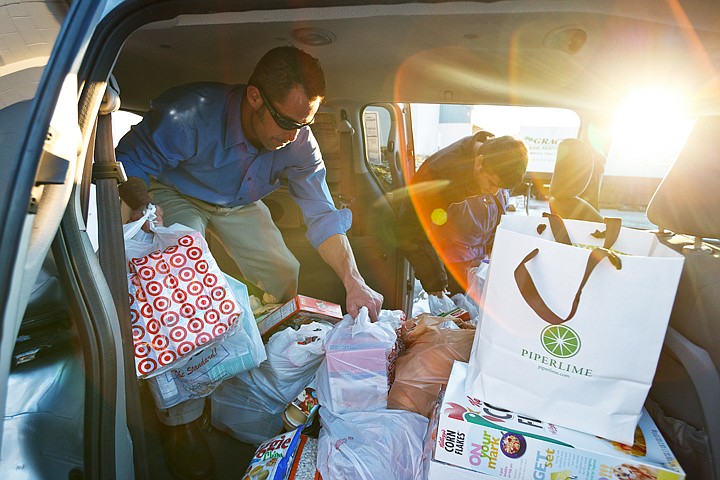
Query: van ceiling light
[313,37]
[566,39]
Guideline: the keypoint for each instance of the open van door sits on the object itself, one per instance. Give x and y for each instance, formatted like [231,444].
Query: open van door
[66,415]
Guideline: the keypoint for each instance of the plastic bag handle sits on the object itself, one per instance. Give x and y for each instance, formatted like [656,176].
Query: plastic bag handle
[560,233]
[133,228]
[532,297]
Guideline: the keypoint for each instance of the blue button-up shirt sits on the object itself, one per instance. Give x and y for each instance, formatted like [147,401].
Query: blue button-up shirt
[192,139]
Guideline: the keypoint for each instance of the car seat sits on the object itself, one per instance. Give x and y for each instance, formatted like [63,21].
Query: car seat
[575,183]
[685,396]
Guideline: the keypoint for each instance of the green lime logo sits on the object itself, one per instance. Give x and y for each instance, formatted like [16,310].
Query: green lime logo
[560,341]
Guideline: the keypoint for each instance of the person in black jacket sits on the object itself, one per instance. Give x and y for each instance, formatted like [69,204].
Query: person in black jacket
[454,203]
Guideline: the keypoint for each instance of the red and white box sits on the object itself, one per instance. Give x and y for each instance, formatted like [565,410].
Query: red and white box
[296,312]
[180,303]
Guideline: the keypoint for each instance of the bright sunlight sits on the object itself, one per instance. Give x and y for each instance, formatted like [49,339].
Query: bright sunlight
[651,127]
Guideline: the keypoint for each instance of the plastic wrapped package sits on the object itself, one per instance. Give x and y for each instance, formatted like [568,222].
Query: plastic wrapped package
[424,366]
[354,374]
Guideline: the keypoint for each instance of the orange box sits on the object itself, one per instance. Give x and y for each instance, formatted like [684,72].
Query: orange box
[296,312]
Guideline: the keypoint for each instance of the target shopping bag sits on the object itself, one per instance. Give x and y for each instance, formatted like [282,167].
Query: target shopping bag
[180,301]
[573,324]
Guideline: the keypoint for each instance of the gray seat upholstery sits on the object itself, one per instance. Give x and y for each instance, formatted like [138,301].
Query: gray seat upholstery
[575,184]
[685,397]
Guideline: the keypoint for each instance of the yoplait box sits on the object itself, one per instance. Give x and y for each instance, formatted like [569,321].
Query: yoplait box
[298,311]
[481,438]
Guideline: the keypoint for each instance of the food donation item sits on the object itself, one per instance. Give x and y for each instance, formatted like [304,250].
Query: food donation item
[298,311]
[274,458]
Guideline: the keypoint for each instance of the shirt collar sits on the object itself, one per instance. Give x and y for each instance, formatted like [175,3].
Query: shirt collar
[234,134]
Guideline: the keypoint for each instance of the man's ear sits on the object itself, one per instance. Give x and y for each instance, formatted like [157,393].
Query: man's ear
[253,96]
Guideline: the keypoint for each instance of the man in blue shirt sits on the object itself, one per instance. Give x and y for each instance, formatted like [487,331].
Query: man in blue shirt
[205,154]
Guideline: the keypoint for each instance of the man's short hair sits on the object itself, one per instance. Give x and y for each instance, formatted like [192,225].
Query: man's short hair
[506,157]
[282,68]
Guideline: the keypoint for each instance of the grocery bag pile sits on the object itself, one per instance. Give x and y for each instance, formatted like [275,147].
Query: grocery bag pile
[525,376]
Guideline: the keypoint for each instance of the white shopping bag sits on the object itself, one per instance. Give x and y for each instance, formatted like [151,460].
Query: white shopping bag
[580,346]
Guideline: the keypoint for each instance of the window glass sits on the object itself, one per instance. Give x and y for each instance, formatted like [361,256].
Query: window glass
[436,126]
[377,125]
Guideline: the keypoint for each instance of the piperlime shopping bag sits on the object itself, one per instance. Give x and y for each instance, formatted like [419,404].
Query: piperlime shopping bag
[574,317]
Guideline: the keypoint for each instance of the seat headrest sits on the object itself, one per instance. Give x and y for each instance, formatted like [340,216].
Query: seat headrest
[686,202]
[573,169]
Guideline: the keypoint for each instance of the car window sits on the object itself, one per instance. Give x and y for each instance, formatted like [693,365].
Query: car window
[376,135]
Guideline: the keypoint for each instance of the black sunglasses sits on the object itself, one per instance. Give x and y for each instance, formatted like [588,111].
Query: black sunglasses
[282,122]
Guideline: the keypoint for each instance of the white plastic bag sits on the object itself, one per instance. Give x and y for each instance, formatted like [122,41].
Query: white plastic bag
[440,305]
[379,445]
[248,406]
[180,301]
[354,373]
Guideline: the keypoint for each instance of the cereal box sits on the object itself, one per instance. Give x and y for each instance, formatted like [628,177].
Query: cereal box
[475,437]
[299,310]
[274,458]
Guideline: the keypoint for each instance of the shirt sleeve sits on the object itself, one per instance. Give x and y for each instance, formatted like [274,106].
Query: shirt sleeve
[163,138]
[308,187]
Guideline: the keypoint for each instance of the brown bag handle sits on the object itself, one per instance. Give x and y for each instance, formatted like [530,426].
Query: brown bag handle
[560,233]
[529,292]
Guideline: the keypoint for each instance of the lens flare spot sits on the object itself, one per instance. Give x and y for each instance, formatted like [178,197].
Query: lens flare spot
[439,216]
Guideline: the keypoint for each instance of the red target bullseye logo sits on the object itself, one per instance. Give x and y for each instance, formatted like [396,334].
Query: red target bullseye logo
[194,253]
[156,255]
[139,261]
[154,288]
[218,293]
[146,273]
[178,334]
[153,326]
[131,297]
[160,343]
[202,338]
[161,304]
[134,315]
[185,348]
[186,274]
[146,310]
[134,280]
[233,319]
[219,329]
[167,357]
[146,366]
[178,260]
[162,267]
[212,316]
[195,288]
[170,281]
[209,280]
[179,296]
[227,307]
[203,302]
[187,310]
[142,349]
[138,332]
[185,241]
[169,319]
[202,266]
[195,325]
[171,249]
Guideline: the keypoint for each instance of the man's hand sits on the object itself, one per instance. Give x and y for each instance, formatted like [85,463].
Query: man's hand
[337,253]
[363,296]
[138,214]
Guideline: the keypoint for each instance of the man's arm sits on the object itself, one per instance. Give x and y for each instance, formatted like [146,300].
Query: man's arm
[337,253]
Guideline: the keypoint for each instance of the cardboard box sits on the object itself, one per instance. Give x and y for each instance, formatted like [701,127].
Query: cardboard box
[475,438]
[296,312]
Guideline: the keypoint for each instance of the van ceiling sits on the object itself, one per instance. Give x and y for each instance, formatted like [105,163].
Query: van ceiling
[578,54]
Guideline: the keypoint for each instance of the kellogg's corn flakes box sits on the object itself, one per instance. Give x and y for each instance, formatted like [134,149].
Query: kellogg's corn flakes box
[471,437]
